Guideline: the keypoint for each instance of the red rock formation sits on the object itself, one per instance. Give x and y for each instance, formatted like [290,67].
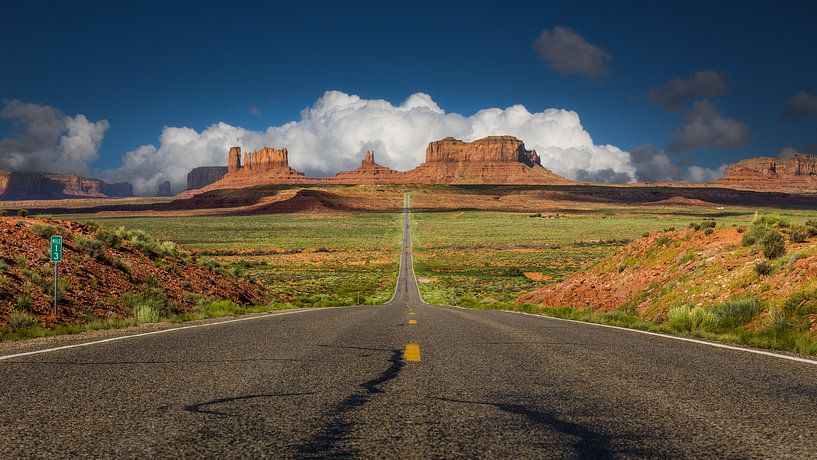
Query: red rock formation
[204,176]
[263,166]
[44,186]
[797,173]
[369,172]
[491,160]
[234,159]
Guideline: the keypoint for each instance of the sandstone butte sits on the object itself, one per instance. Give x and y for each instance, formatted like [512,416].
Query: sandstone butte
[46,186]
[204,176]
[491,160]
[794,174]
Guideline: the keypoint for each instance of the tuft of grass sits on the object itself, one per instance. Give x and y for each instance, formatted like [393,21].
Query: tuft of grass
[22,213]
[663,240]
[47,231]
[22,319]
[773,245]
[799,234]
[93,248]
[687,319]
[770,221]
[734,313]
[764,267]
[24,301]
[112,238]
[147,306]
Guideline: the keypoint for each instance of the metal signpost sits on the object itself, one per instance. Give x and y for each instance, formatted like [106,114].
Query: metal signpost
[56,257]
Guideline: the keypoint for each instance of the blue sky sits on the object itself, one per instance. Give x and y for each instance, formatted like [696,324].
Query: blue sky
[144,66]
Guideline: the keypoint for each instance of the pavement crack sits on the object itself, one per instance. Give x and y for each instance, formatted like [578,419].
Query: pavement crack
[326,441]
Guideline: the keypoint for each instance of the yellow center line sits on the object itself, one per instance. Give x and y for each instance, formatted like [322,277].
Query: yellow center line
[412,352]
[412,321]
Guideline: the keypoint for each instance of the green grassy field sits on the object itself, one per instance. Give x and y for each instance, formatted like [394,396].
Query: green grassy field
[305,259]
[486,258]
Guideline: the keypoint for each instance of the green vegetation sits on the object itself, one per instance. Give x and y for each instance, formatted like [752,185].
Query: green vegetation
[22,213]
[46,231]
[475,260]
[93,248]
[764,267]
[305,260]
[492,257]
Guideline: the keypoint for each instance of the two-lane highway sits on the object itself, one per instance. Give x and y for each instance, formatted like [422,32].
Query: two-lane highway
[405,380]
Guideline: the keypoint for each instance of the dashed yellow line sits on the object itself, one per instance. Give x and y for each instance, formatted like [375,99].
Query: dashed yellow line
[411,353]
[412,321]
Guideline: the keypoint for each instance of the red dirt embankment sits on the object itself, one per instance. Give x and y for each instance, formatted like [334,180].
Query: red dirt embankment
[685,267]
[95,276]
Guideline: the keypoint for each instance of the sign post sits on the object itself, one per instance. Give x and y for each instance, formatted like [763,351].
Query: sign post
[56,257]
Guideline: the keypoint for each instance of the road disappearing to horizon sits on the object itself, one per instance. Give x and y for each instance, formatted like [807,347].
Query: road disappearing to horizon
[406,380]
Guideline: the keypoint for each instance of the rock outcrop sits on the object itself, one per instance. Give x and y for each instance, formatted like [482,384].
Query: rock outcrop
[204,176]
[165,189]
[491,160]
[797,173]
[369,172]
[46,186]
[264,166]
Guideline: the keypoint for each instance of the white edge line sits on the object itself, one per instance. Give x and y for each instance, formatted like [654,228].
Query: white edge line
[162,331]
[657,334]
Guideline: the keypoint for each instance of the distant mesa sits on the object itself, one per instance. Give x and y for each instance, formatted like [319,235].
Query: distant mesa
[794,174]
[491,160]
[47,186]
[204,176]
[165,189]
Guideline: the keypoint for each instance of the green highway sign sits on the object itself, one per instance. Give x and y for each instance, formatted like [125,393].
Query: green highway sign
[56,248]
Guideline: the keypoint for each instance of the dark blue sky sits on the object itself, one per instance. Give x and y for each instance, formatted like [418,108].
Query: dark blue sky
[143,66]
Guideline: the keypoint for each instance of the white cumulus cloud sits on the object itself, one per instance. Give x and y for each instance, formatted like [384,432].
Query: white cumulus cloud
[44,139]
[338,128]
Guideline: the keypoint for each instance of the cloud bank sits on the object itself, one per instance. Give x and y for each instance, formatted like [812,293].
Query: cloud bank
[569,53]
[334,133]
[674,94]
[800,105]
[706,127]
[46,140]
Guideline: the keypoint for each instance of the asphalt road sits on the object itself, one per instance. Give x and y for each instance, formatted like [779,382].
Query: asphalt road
[342,382]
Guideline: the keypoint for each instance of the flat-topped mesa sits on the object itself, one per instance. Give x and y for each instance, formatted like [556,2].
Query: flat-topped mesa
[797,173]
[491,149]
[490,160]
[204,176]
[48,186]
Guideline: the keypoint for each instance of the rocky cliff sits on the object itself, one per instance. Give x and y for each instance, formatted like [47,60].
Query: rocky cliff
[491,160]
[45,186]
[204,176]
[797,173]
[264,166]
